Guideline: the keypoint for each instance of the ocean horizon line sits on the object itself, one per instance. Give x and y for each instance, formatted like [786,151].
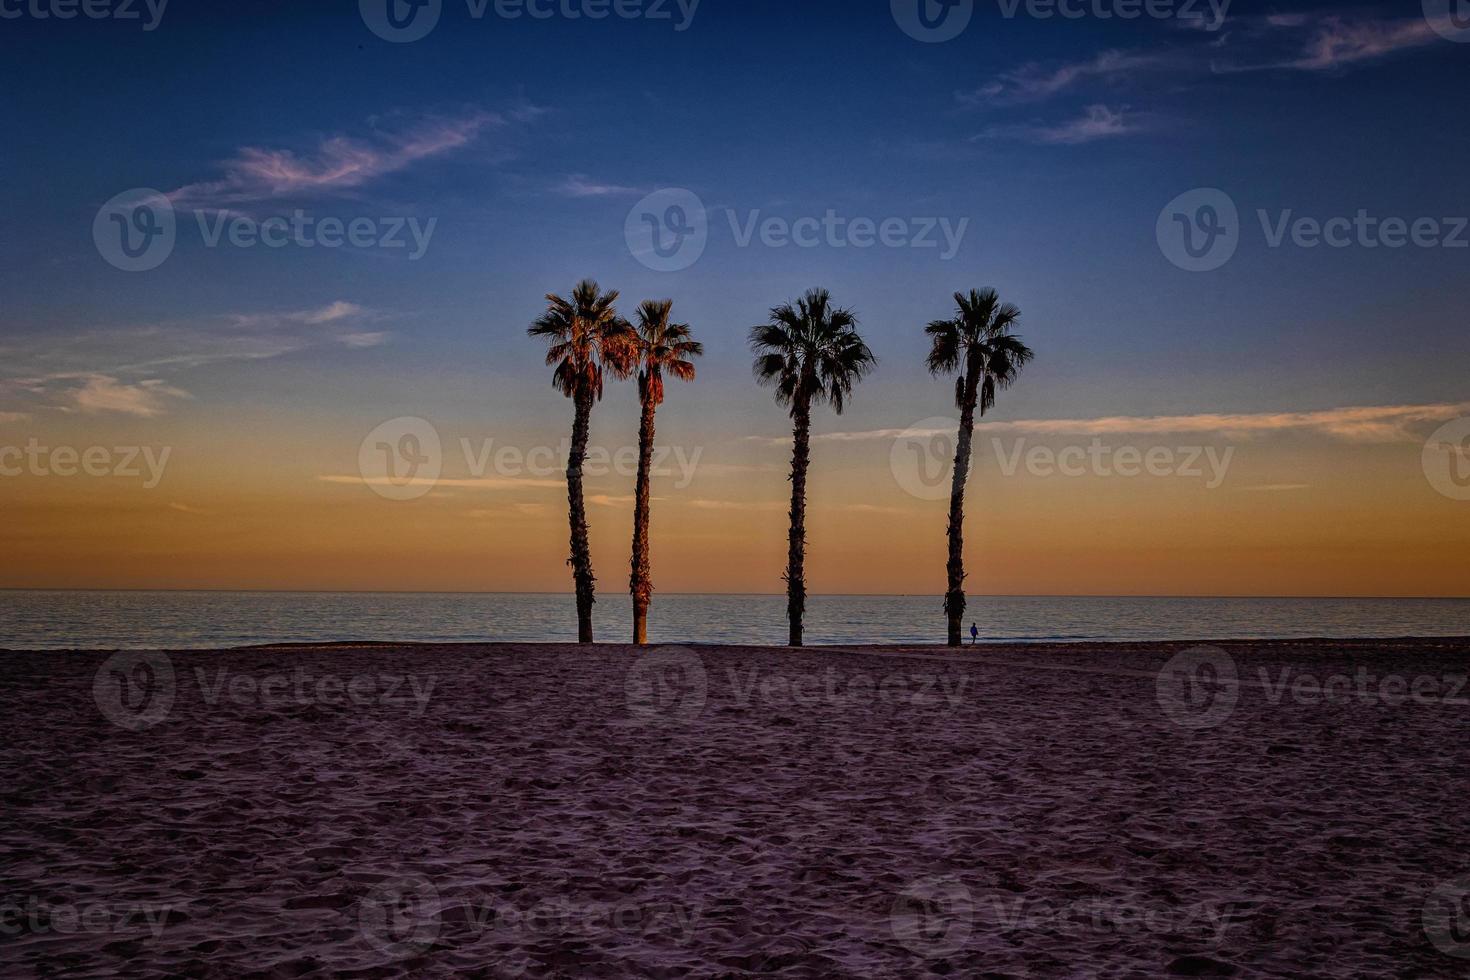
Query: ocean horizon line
[762,595]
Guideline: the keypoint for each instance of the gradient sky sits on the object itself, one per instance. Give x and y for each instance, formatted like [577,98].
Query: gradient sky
[527,142]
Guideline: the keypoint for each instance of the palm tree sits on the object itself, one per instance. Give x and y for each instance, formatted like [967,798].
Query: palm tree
[979,342]
[658,346]
[810,353]
[585,336]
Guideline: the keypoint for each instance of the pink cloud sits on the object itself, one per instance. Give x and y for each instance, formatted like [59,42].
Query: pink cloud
[1096,122]
[1033,83]
[338,164]
[145,399]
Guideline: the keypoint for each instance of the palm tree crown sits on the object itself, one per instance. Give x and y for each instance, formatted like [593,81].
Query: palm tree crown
[659,346]
[979,342]
[810,353]
[585,334]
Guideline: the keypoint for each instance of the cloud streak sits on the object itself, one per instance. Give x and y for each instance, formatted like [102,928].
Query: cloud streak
[1334,42]
[145,399]
[471,483]
[1097,122]
[580,185]
[1035,82]
[126,371]
[336,165]
[1369,424]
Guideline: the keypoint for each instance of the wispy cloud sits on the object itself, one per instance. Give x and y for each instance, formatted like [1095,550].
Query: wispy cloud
[472,483]
[8,417]
[746,505]
[1035,82]
[580,185]
[779,506]
[1377,423]
[331,313]
[1331,43]
[508,510]
[1302,41]
[337,164]
[133,370]
[144,399]
[611,500]
[1097,122]
[1372,423]
[363,338]
[726,469]
[871,509]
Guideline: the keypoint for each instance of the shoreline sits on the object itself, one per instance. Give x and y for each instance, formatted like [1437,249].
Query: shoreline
[1012,646]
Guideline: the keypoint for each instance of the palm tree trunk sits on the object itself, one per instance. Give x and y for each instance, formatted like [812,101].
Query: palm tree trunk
[641,582]
[581,559]
[796,551]
[954,597]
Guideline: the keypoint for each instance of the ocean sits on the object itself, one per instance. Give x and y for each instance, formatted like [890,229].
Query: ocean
[172,620]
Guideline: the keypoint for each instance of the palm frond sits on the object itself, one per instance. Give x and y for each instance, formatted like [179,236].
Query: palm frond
[810,352]
[979,336]
[585,336]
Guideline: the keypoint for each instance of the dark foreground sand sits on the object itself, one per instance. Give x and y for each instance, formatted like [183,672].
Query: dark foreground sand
[548,811]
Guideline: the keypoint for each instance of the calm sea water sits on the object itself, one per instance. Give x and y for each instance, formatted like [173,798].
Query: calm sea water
[104,620]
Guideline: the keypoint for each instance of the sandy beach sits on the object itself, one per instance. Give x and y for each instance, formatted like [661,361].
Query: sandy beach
[1249,809]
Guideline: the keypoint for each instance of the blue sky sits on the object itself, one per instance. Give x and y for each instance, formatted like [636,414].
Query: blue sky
[527,142]
[1058,140]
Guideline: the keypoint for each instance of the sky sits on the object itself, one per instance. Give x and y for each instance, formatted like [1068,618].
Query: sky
[267,270]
